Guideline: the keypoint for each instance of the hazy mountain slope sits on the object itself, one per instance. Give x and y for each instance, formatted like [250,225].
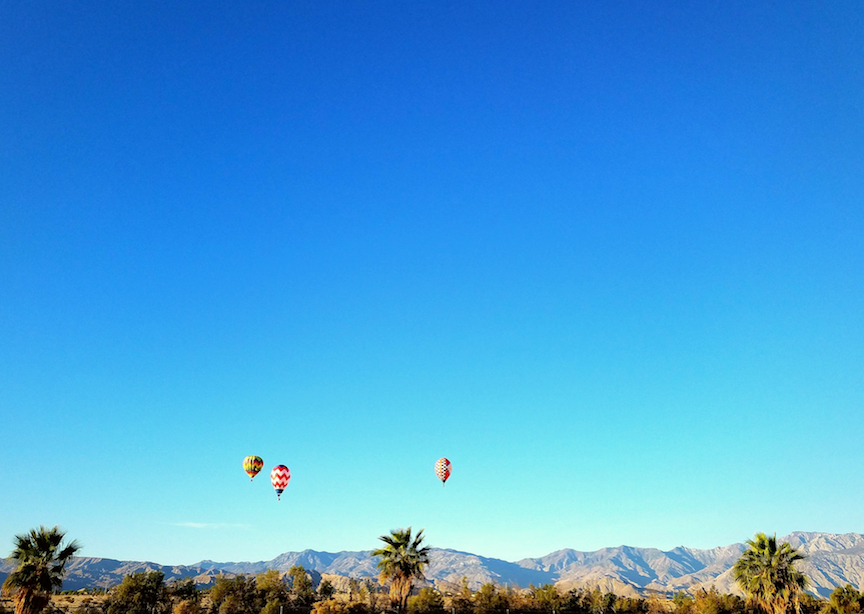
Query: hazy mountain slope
[451,566]
[637,568]
[356,564]
[444,565]
[89,572]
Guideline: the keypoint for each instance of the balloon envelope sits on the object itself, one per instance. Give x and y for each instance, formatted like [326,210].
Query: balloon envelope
[443,468]
[280,475]
[252,465]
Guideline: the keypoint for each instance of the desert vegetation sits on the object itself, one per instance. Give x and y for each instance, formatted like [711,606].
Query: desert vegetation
[765,572]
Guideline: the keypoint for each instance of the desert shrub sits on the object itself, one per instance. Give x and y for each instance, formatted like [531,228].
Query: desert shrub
[335,606]
[810,604]
[272,607]
[188,606]
[89,606]
[712,602]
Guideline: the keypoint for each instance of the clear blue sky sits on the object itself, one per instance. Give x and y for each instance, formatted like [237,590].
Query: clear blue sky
[607,257]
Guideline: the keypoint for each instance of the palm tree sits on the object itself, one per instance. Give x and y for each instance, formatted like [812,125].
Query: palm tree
[766,573]
[402,561]
[42,559]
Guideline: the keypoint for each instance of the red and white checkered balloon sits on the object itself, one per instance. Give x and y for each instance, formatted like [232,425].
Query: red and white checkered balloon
[443,468]
[280,475]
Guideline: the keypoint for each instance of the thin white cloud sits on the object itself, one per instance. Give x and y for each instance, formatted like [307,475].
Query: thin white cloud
[209,525]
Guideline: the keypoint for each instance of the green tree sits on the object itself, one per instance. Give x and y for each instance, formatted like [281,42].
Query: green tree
[599,602]
[372,593]
[325,590]
[302,591]
[184,590]
[427,601]
[238,595]
[488,599]
[41,558]
[402,560]
[766,573]
[844,600]
[546,597]
[354,592]
[578,601]
[461,601]
[141,593]
[272,588]
[683,603]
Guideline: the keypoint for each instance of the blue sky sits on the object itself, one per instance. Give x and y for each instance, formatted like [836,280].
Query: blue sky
[604,256]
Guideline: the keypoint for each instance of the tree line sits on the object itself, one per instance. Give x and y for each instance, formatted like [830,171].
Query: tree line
[766,573]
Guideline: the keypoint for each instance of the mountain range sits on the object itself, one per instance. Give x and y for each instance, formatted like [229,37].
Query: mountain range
[831,560]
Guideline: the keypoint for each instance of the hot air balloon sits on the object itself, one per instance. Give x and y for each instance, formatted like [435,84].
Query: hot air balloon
[443,468]
[252,465]
[280,475]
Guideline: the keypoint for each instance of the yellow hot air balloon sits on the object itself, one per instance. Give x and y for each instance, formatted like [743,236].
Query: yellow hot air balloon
[252,465]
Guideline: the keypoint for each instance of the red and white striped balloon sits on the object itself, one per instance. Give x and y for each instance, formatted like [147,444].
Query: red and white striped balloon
[280,475]
[443,468]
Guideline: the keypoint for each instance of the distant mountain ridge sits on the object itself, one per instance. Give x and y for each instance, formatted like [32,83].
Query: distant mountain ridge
[832,560]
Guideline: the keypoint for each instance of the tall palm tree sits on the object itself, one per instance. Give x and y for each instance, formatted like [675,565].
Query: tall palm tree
[41,558]
[402,561]
[766,573]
